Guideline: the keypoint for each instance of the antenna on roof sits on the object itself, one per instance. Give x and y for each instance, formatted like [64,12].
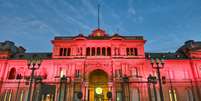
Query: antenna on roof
[98,16]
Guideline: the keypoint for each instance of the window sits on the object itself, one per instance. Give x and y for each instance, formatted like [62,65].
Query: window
[103,51]
[69,51]
[136,52]
[61,52]
[131,51]
[93,51]
[12,73]
[108,51]
[65,51]
[79,51]
[98,51]
[127,51]
[88,51]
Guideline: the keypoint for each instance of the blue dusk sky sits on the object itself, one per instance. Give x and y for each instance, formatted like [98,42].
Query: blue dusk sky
[165,24]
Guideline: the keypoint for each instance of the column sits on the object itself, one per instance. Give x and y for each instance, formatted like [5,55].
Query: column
[86,91]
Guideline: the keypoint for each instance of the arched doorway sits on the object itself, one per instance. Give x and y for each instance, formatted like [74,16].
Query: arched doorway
[98,85]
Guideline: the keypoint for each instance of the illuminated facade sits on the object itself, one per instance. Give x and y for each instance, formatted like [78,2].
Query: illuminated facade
[100,67]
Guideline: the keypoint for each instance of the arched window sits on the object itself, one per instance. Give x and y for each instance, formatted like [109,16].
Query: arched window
[93,51]
[108,51]
[12,73]
[98,51]
[103,51]
[88,51]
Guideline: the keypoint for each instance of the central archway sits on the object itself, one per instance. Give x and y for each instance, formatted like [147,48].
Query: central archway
[98,85]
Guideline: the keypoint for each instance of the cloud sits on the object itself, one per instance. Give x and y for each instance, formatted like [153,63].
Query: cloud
[131,10]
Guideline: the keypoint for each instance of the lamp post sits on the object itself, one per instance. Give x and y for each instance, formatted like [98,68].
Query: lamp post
[33,64]
[37,80]
[158,64]
[19,77]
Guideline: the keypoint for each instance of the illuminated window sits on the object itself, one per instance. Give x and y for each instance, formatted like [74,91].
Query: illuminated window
[172,95]
[12,73]
[62,72]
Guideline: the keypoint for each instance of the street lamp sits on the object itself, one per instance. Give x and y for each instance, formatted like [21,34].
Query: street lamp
[19,77]
[37,80]
[33,64]
[158,64]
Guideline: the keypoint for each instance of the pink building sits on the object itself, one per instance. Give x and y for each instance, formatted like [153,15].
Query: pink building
[100,67]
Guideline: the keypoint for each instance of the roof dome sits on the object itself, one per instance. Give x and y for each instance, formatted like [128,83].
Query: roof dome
[98,33]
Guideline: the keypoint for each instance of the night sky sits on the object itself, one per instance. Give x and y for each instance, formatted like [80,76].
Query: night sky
[165,24]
